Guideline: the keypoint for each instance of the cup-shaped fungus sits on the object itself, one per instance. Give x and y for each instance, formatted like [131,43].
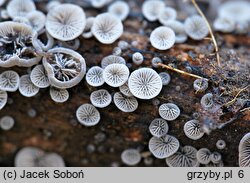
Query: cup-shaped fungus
[116,75]
[39,77]
[131,157]
[200,85]
[145,83]
[112,59]
[203,156]
[244,151]
[155,61]
[3,99]
[162,38]
[220,144]
[224,25]
[152,8]
[26,87]
[66,22]
[207,101]
[165,78]
[65,67]
[94,76]
[169,111]
[58,95]
[52,4]
[137,58]
[215,157]
[99,3]
[163,147]
[9,81]
[179,30]
[185,157]
[51,160]
[125,103]
[193,130]
[16,45]
[107,28]
[100,98]
[120,9]
[20,7]
[87,29]
[196,28]
[124,89]
[42,45]
[158,127]
[88,115]
[167,14]
[37,20]
[6,123]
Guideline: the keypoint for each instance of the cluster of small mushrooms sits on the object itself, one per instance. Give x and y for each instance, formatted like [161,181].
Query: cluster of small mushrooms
[47,44]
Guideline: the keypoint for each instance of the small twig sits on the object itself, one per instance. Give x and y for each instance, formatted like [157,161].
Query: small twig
[235,98]
[180,71]
[210,31]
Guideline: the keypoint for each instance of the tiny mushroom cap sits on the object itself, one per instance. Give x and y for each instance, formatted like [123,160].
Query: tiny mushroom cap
[9,81]
[20,7]
[94,76]
[116,75]
[163,147]
[162,38]
[145,83]
[87,29]
[88,115]
[65,67]
[39,77]
[26,87]
[200,85]
[219,164]
[193,130]
[107,28]
[37,20]
[124,89]
[196,28]
[124,103]
[244,151]
[131,157]
[73,44]
[224,24]
[6,123]
[3,99]
[155,61]
[185,157]
[165,77]
[169,111]
[137,58]
[207,101]
[158,127]
[179,30]
[167,14]
[52,4]
[58,95]
[120,9]
[51,160]
[99,3]
[203,156]
[66,22]
[220,144]
[215,157]
[43,45]
[2,2]
[100,98]
[112,59]
[152,8]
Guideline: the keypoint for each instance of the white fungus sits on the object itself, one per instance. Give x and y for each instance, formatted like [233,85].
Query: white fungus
[124,89]
[117,51]
[155,61]
[200,85]
[215,157]
[167,14]
[165,78]
[120,9]
[220,144]
[52,4]
[99,3]
[3,99]
[169,111]
[123,45]
[193,130]
[51,160]
[107,28]
[158,127]
[163,147]
[20,7]
[112,59]
[131,157]
[203,156]
[39,77]
[224,25]
[6,123]
[195,27]
[179,30]
[124,103]
[116,75]
[137,58]
[66,22]
[94,76]
[9,81]
[36,20]
[26,87]
[185,157]
[58,95]
[88,115]
[162,38]
[87,29]
[43,45]
[152,8]
[244,151]
[207,101]
[145,83]
[100,98]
